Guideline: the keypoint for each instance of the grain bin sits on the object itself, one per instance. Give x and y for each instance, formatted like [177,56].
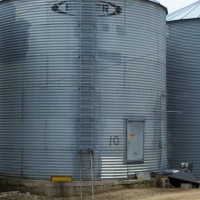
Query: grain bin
[77,75]
[183,79]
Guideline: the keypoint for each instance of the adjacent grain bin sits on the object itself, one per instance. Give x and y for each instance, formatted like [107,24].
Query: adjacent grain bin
[78,76]
[183,83]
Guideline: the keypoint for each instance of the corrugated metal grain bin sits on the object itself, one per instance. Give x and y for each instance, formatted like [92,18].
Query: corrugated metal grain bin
[77,75]
[183,83]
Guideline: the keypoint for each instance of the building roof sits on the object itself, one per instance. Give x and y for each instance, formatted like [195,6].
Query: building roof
[189,12]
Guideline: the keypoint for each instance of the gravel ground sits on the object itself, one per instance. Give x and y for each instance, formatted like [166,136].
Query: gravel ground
[126,194]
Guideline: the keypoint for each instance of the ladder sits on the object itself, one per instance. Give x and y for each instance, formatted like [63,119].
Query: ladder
[86,118]
[83,152]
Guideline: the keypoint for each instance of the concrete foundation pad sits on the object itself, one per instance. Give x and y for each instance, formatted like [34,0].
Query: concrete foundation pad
[186,185]
[54,189]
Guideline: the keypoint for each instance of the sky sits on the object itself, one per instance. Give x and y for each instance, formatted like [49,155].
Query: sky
[174,5]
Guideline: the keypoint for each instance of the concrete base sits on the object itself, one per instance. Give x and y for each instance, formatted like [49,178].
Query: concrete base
[164,182]
[186,185]
[52,189]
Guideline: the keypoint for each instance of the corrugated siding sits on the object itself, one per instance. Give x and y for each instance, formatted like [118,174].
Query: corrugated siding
[183,73]
[52,63]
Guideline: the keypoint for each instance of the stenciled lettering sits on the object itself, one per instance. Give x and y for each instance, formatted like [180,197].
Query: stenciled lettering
[106,8]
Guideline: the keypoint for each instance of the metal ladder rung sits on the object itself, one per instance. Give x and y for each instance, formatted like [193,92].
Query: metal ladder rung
[86,150]
[90,152]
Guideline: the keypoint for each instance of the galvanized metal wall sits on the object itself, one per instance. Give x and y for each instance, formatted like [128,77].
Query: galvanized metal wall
[183,75]
[70,71]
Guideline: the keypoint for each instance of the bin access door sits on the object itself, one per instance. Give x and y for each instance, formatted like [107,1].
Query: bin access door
[135,135]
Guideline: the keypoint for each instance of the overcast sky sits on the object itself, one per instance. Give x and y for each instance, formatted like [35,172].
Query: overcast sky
[174,5]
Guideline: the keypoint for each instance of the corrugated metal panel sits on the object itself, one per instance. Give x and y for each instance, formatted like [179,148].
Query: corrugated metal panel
[183,75]
[189,12]
[64,78]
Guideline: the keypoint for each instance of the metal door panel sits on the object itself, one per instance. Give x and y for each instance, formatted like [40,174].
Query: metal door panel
[135,141]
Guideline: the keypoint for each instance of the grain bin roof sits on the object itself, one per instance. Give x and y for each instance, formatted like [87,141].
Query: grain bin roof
[189,12]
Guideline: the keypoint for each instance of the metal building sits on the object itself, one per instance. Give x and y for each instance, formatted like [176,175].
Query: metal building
[77,75]
[183,86]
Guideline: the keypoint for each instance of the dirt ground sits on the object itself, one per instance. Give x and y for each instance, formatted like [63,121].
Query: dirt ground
[126,194]
[149,194]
